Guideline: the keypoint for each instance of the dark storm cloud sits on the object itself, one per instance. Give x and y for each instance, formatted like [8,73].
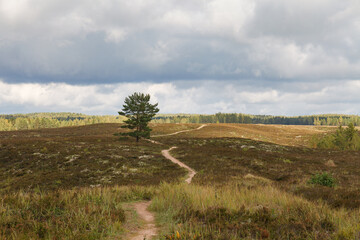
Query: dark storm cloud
[117,41]
[255,56]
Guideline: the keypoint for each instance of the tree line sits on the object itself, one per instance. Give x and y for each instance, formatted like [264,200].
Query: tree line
[52,120]
[326,119]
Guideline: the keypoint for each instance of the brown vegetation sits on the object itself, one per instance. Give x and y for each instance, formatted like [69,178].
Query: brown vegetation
[251,183]
[79,157]
[219,159]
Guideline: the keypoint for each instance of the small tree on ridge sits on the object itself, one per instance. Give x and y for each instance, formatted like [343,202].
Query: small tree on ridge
[139,111]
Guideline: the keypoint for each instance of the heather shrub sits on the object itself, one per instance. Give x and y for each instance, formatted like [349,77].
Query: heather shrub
[324,179]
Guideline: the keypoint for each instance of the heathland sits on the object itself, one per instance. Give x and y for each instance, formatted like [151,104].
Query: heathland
[252,182]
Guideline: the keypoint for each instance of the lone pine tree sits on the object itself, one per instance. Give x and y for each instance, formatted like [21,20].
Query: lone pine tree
[139,112]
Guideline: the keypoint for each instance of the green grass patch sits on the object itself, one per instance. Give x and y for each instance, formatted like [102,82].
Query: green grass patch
[324,179]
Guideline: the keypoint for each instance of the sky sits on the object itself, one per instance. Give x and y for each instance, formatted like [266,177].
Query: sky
[276,57]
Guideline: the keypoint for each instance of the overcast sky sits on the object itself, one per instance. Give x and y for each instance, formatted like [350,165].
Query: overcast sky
[279,57]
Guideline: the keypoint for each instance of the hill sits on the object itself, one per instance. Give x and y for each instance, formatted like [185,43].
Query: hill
[252,182]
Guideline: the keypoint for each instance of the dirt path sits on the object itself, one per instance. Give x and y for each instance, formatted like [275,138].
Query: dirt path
[167,155]
[182,131]
[150,230]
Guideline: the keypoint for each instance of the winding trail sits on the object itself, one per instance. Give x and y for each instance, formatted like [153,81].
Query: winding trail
[150,230]
[182,131]
[167,155]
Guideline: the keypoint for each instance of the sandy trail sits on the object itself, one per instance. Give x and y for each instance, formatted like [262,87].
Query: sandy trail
[167,155]
[182,131]
[150,230]
[153,141]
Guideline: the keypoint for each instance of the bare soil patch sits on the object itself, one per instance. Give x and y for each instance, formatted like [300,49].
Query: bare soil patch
[149,230]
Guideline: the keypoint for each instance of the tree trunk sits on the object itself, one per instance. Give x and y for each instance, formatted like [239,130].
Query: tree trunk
[137,138]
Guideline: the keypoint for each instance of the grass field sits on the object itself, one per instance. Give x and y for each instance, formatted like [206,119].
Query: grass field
[252,183]
[219,159]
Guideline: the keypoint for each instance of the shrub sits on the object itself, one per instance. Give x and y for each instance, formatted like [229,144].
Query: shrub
[343,139]
[324,179]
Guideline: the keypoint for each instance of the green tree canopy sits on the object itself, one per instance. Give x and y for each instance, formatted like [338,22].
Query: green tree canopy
[139,112]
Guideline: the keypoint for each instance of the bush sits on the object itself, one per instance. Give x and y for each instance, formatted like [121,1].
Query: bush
[343,139]
[324,179]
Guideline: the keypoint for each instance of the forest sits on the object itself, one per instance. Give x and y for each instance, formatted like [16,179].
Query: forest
[52,120]
[325,119]
[9,122]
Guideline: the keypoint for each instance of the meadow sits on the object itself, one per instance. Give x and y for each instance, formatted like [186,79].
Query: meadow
[252,182]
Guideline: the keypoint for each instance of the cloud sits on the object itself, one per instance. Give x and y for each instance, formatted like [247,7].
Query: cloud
[204,97]
[252,56]
[115,35]
[82,42]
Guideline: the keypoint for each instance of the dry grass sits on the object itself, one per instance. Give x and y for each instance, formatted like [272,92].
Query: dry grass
[86,213]
[166,128]
[248,210]
[219,160]
[289,135]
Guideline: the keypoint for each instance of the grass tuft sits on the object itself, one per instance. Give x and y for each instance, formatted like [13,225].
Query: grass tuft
[87,213]
[237,212]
